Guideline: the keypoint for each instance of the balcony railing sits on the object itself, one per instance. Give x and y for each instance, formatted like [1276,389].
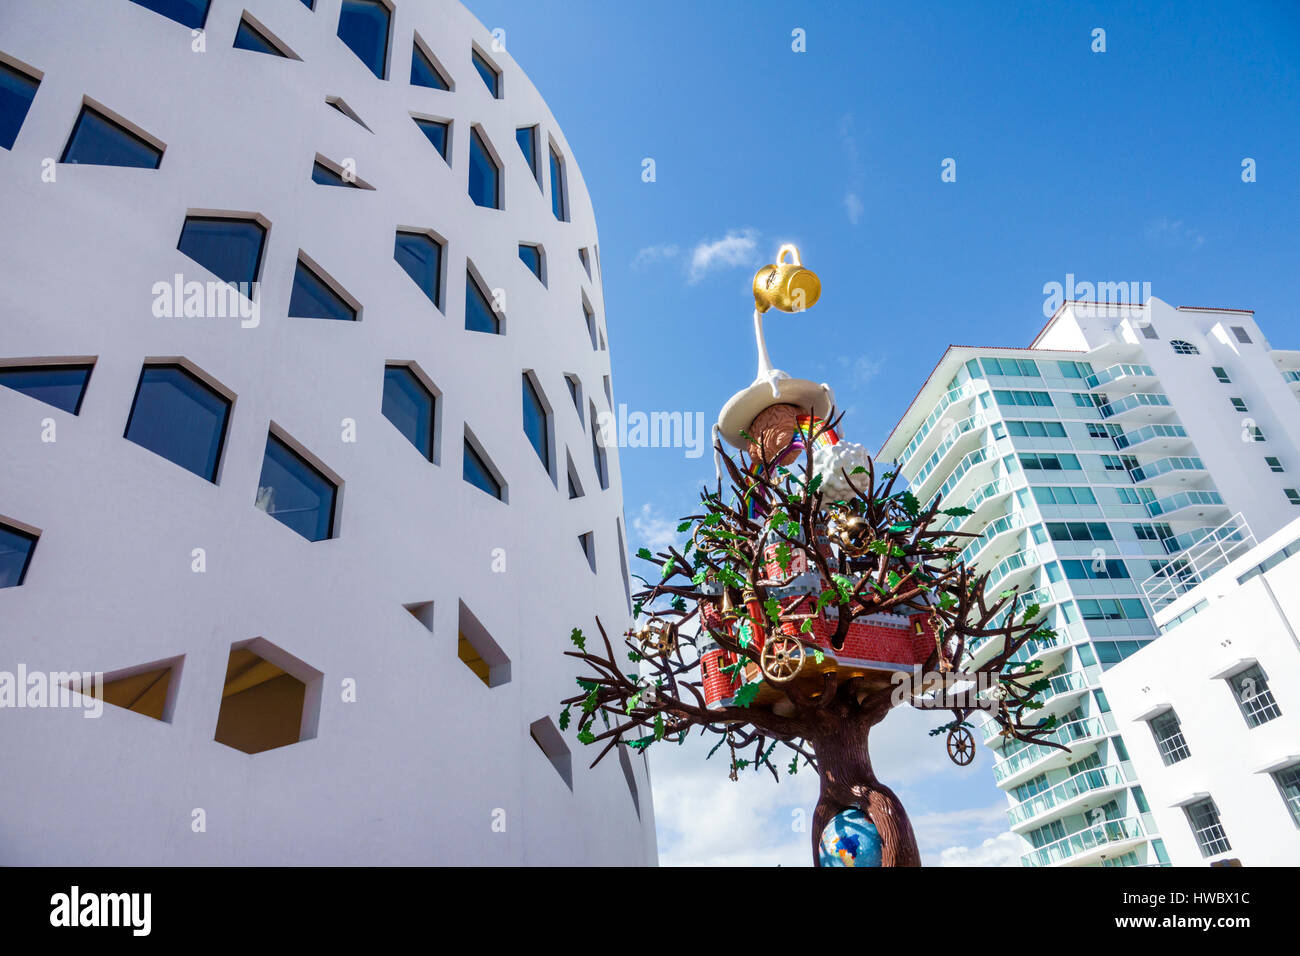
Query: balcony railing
[976,457]
[1014,519]
[1009,565]
[1291,375]
[957,431]
[1040,596]
[1163,506]
[1033,648]
[1082,729]
[1098,778]
[1163,466]
[999,486]
[1130,402]
[1105,376]
[1086,841]
[1211,552]
[957,394]
[1148,432]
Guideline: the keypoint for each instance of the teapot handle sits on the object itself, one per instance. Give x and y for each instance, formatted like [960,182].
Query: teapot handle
[794,255]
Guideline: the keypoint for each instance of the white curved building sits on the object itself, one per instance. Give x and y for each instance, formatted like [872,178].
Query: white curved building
[326,542]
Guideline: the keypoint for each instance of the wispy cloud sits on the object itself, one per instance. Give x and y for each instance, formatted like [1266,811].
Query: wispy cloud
[652,254]
[736,248]
[861,369]
[1174,233]
[1001,850]
[853,206]
[652,530]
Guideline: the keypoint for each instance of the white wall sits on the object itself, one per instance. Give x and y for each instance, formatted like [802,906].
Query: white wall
[411,772]
[1226,755]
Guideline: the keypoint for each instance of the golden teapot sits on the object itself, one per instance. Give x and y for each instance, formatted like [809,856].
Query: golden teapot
[786,286]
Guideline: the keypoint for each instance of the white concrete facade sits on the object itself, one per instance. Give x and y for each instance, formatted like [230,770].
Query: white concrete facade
[428,765]
[1091,461]
[1245,616]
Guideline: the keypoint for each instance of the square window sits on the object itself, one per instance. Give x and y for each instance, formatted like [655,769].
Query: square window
[177,416]
[16,548]
[1240,333]
[295,492]
[410,407]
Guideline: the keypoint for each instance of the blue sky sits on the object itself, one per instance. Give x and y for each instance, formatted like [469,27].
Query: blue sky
[1117,166]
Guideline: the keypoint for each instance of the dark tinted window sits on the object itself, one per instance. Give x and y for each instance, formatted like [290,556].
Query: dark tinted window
[295,493]
[180,418]
[229,248]
[423,72]
[484,184]
[324,176]
[478,474]
[312,298]
[421,257]
[248,37]
[436,133]
[559,202]
[479,316]
[62,386]
[97,141]
[526,137]
[598,452]
[531,256]
[409,406]
[17,90]
[536,426]
[586,263]
[192,13]
[16,549]
[490,76]
[363,26]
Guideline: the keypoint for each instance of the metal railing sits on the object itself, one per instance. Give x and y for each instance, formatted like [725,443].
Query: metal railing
[1082,729]
[1211,553]
[1105,376]
[1085,841]
[1163,466]
[1163,506]
[1130,402]
[1147,432]
[1098,778]
[960,393]
[957,431]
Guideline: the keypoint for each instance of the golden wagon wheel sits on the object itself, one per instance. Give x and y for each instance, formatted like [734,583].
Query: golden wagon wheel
[782,659]
[961,746]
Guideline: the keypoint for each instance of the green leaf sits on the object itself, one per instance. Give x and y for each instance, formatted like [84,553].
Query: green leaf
[589,704]
[633,702]
[783,556]
[794,765]
[818,656]
[960,512]
[586,737]
[644,554]
[745,696]
[910,504]
[826,597]
[678,603]
[844,586]
[634,657]
[773,608]
[659,726]
[669,566]
[565,719]
[946,600]
[806,627]
[684,526]
[859,470]
[579,641]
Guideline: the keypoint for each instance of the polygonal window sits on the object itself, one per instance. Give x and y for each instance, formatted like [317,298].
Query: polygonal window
[548,737]
[97,140]
[437,132]
[179,417]
[484,173]
[424,70]
[148,689]
[490,74]
[313,297]
[295,492]
[62,386]
[251,35]
[363,26]
[420,255]
[17,90]
[479,652]
[16,548]
[411,407]
[230,249]
[269,699]
[190,13]
[480,311]
[479,472]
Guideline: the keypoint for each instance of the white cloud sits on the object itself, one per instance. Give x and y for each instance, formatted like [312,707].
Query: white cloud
[652,254]
[853,206]
[652,530]
[1165,232]
[736,248]
[1001,850]
[861,368]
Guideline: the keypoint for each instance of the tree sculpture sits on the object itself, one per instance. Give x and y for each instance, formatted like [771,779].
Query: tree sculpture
[810,598]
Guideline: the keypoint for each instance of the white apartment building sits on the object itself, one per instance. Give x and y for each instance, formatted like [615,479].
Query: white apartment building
[302,351]
[1211,710]
[1122,436]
